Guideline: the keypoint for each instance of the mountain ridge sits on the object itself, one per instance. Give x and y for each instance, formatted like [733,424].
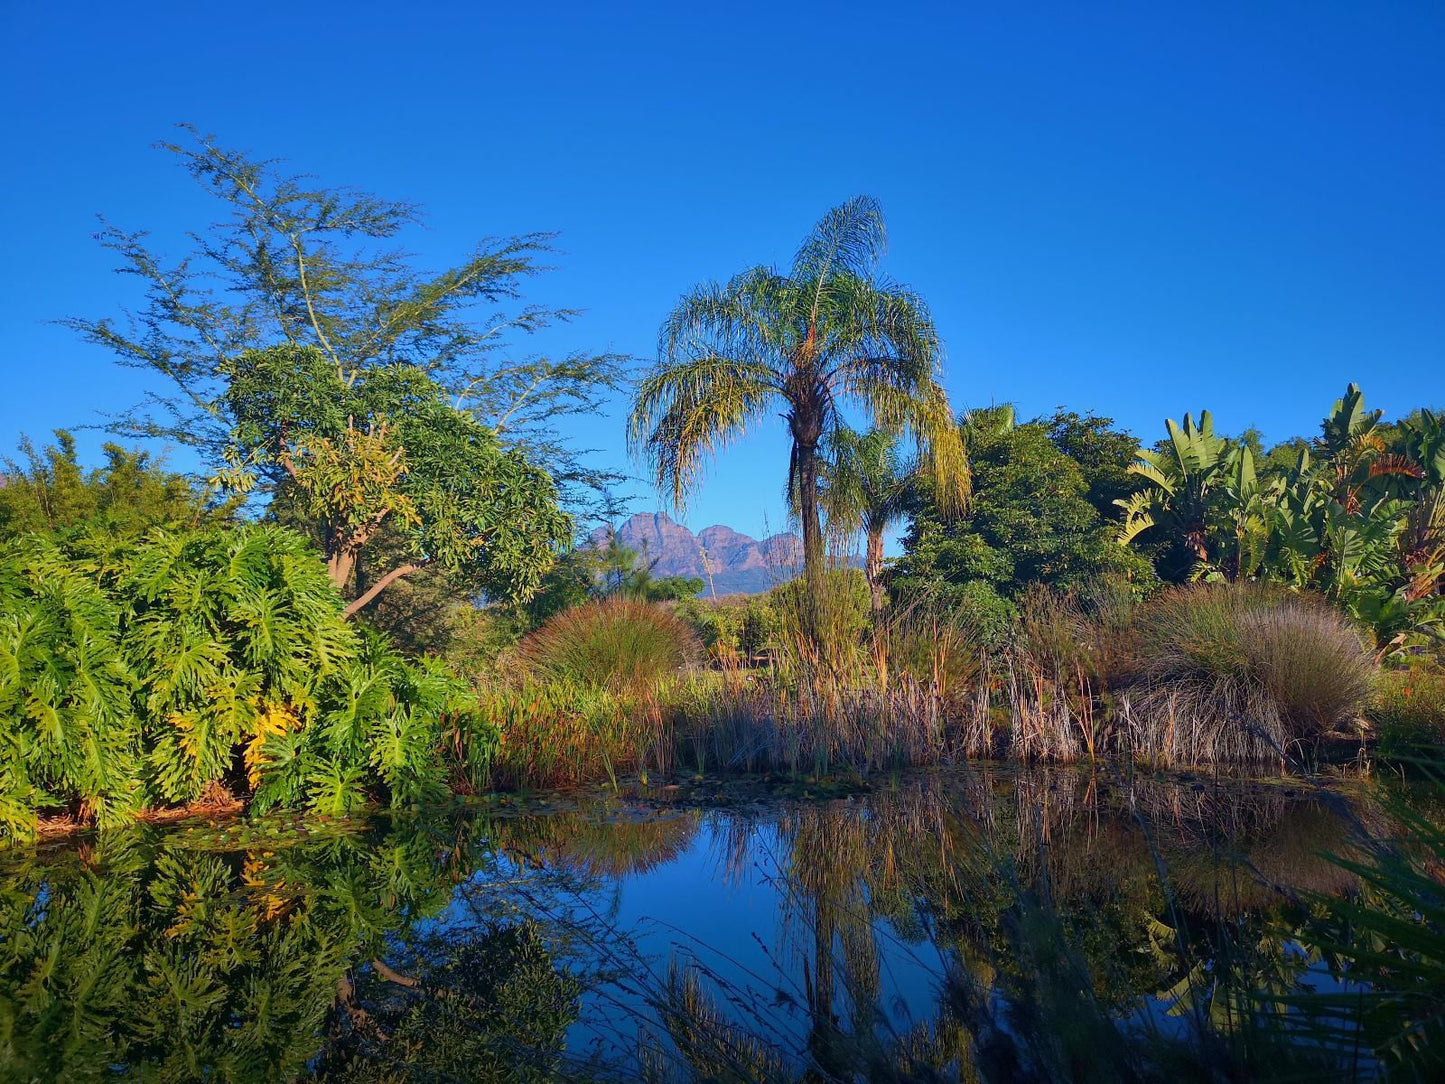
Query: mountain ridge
[727,561]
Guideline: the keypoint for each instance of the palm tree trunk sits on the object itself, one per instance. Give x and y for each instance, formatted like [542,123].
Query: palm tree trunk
[873,572]
[813,556]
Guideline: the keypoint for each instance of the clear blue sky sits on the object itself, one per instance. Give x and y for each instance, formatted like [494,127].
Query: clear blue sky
[1139,209]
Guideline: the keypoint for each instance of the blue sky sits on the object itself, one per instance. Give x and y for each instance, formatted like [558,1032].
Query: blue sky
[1137,209]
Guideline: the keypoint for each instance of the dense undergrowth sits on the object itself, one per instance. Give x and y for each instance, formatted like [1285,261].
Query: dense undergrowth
[197,664]
[1212,674]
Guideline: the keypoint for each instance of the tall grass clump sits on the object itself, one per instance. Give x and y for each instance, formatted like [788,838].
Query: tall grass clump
[1052,680]
[1244,672]
[913,689]
[620,644]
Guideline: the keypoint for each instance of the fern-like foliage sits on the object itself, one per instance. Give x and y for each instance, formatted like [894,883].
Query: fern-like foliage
[151,674]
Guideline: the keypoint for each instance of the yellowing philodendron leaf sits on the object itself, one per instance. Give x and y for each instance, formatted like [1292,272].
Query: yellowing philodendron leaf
[271,719]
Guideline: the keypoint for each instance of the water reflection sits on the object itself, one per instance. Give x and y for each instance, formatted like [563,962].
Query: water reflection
[922,931]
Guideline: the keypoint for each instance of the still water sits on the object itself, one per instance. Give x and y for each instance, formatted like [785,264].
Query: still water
[922,930]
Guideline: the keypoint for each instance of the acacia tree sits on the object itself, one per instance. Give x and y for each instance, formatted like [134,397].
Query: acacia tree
[387,450]
[299,264]
[826,332]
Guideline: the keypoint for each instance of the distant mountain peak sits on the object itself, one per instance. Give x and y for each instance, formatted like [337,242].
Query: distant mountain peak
[727,561]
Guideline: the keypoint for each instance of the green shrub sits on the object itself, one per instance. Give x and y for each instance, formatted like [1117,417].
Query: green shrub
[615,643]
[732,628]
[154,673]
[69,730]
[1240,671]
[1409,709]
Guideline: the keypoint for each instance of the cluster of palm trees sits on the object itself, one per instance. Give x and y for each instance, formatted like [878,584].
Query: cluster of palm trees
[1359,517]
[828,333]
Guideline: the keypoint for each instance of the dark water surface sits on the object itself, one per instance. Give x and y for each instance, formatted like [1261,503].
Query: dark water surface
[910,932]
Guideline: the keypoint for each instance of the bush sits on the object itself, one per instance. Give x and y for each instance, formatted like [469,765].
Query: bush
[619,644]
[165,671]
[1240,671]
[1409,710]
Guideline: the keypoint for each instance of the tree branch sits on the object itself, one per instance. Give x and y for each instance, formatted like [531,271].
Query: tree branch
[381,585]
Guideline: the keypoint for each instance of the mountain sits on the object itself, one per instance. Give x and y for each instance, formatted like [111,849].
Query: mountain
[728,562]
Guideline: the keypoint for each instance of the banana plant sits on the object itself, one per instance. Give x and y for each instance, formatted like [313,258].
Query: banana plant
[1187,481]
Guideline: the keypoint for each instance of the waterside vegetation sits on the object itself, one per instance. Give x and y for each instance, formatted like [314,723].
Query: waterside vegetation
[374,589]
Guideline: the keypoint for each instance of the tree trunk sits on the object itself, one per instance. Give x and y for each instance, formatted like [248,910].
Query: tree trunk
[873,572]
[813,555]
[339,566]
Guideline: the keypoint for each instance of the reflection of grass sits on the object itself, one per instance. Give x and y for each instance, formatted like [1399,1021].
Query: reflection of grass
[1062,904]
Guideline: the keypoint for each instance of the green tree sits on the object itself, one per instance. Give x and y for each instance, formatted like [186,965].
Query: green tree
[1104,455]
[50,491]
[1030,521]
[386,449]
[292,262]
[827,331]
[867,485]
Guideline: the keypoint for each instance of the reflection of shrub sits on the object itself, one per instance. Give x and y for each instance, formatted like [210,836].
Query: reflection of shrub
[616,643]
[1235,672]
[1409,709]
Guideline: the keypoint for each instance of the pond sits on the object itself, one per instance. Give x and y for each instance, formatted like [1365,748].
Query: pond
[953,925]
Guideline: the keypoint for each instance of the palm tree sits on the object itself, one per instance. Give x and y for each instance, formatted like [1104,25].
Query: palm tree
[867,481]
[826,332]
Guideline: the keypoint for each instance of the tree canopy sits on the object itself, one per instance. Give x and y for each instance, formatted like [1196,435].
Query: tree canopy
[296,263]
[387,449]
[1031,519]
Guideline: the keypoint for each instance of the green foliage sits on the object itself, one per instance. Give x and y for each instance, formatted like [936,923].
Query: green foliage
[1408,711]
[866,485]
[153,673]
[614,643]
[132,493]
[732,628]
[308,266]
[1359,516]
[1030,521]
[241,955]
[68,725]
[386,447]
[826,332]
[673,588]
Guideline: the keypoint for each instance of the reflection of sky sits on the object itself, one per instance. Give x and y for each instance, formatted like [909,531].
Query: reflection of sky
[721,902]
[731,922]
